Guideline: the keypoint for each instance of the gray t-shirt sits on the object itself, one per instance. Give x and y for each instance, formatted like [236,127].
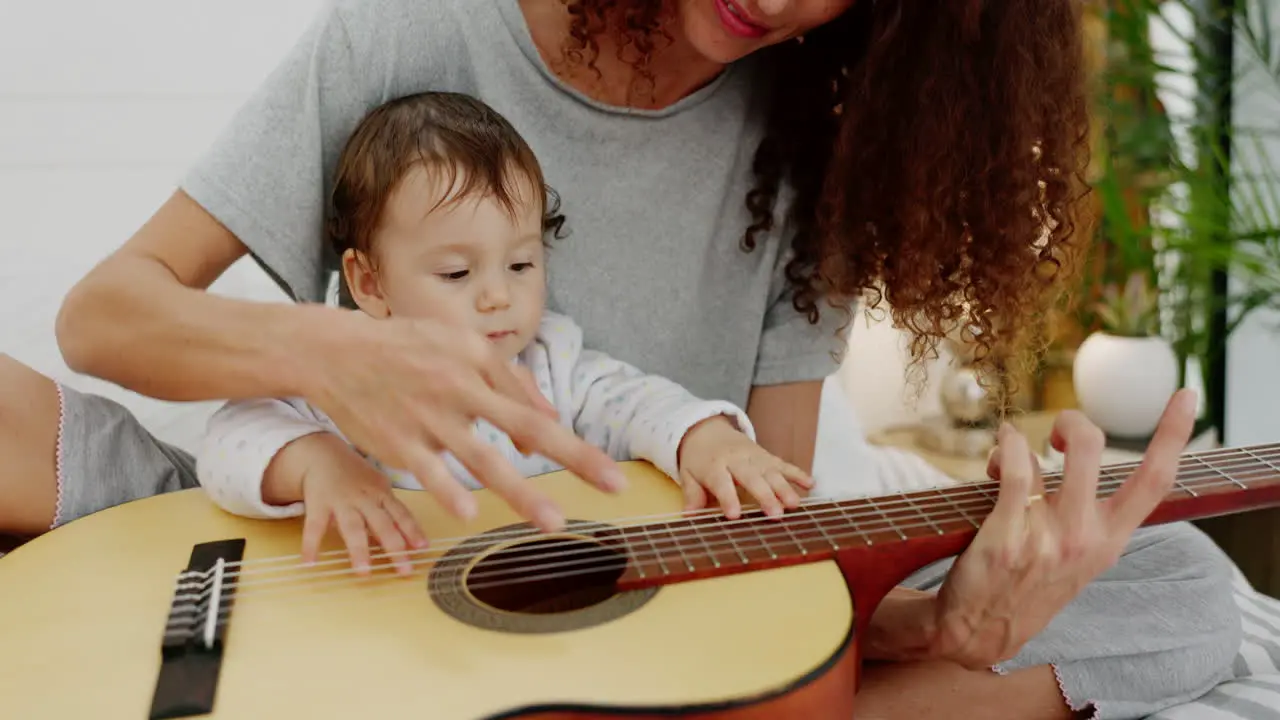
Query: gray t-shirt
[652,268]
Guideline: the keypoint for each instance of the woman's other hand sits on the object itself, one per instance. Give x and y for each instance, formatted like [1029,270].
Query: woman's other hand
[406,390]
[1037,550]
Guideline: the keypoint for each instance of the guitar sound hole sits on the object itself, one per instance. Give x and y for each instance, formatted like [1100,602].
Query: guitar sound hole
[546,576]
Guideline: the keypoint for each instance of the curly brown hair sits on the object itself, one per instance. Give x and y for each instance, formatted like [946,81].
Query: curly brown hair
[937,152]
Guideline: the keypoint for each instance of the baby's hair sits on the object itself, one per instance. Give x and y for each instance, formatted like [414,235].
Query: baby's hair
[454,135]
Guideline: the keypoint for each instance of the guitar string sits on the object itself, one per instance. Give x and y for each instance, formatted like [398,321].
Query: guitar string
[784,528]
[442,545]
[681,537]
[391,580]
[656,546]
[764,541]
[928,501]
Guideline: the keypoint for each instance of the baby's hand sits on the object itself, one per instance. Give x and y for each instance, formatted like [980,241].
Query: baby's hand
[715,455]
[348,492]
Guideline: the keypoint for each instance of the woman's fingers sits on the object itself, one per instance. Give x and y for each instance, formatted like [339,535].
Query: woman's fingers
[536,432]
[1081,444]
[1143,491]
[491,468]
[433,475]
[530,385]
[1017,475]
[994,460]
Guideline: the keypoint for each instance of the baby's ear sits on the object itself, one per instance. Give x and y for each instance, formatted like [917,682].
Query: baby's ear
[362,283]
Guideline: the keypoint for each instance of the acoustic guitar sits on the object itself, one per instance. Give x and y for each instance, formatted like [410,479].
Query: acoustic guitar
[169,607]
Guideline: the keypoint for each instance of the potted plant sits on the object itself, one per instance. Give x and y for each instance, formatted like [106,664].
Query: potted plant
[1125,372]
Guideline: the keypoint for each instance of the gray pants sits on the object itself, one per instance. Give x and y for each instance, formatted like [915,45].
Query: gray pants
[1159,629]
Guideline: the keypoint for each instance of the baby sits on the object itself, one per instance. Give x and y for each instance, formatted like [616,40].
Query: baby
[439,207]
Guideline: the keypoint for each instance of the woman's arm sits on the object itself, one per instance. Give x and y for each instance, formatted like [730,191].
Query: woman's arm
[142,319]
[402,389]
[786,420]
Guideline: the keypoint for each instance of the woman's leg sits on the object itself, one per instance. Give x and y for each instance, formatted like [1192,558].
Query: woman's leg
[1158,629]
[68,454]
[28,444]
[928,690]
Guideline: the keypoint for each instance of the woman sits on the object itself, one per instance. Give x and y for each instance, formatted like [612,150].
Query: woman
[726,166]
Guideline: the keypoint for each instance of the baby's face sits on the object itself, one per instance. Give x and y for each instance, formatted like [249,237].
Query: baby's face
[470,260]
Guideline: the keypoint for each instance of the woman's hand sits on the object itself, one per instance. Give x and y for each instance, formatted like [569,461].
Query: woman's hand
[406,390]
[1037,550]
[716,458]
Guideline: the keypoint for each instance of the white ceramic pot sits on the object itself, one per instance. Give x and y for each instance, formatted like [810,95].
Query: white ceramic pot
[1124,383]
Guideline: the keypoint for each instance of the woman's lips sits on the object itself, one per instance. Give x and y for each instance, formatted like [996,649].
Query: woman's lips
[735,20]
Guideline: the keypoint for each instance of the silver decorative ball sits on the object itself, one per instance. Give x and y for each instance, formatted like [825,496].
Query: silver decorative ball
[964,400]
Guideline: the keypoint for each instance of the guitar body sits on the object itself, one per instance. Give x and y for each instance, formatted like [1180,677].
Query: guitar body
[83,610]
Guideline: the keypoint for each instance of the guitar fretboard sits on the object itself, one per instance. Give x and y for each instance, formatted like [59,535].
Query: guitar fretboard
[1208,483]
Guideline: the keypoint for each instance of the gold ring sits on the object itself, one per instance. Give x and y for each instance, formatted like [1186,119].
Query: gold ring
[1034,498]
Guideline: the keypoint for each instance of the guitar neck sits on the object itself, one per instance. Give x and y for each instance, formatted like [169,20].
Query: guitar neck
[1210,483]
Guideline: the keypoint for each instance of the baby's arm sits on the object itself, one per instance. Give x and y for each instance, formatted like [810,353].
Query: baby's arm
[616,407]
[241,440]
[632,415]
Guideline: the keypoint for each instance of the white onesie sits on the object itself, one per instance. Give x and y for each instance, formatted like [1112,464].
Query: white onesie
[608,403]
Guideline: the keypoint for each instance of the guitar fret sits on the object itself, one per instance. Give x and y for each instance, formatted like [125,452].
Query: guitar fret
[808,512]
[888,520]
[784,521]
[1110,481]
[959,509]
[715,561]
[986,494]
[1230,479]
[656,552]
[922,514]
[853,523]
[734,542]
[1261,459]
[812,531]
[764,543]
[688,564]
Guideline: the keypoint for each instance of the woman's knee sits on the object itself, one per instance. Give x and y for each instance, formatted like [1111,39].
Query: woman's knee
[1170,593]
[1189,585]
[1173,553]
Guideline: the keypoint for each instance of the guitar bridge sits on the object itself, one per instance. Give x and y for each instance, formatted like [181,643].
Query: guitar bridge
[191,652]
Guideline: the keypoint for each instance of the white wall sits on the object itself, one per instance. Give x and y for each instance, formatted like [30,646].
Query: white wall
[102,106]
